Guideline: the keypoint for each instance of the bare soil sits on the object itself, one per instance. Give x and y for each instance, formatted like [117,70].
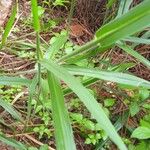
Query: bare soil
[5,6]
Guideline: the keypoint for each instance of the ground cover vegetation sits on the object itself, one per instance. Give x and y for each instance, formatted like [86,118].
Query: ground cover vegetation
[74,74]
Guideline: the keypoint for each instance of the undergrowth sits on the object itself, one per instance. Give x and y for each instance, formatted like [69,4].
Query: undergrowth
[73,91]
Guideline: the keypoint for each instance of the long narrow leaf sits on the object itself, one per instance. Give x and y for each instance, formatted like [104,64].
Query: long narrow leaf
[13,143]
[63,130]
[137,40]
[133,53]
[117,77]
[87,98]
[7,107]
[32,91]
[55,47]
[118,125]
[36,22]
[130,23]
[5,80]
[124,7]
[9,25]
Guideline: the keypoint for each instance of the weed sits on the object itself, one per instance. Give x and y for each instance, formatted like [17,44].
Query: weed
[60,65]
[9,93]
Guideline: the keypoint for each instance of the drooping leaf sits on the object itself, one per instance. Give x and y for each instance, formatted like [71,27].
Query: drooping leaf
[87,98]
[117,77]
[118,125]
[135,20]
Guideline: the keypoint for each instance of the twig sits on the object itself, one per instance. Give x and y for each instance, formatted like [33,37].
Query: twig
[36,141]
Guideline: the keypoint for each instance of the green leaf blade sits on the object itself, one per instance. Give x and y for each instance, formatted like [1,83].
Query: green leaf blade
[55,47]
[141,133]
[5,80]
[117,77]
[124,7]
[87,98]
[9,25]
[130,23]
[63,130]
[12,142]
[7,107]
[36,22]
[133,53]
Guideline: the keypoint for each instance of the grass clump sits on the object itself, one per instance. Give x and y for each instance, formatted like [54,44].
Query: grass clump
[62,72]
